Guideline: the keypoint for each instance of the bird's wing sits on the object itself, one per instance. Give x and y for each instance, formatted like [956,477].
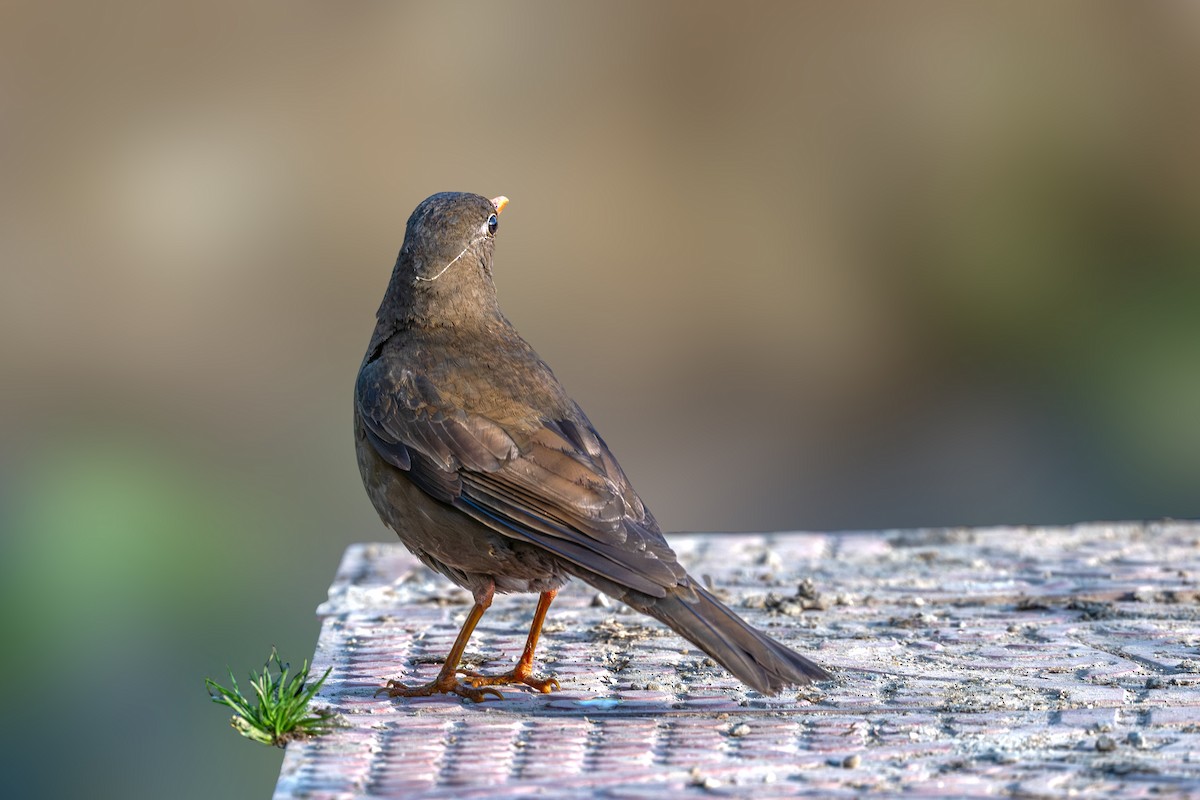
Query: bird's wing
[558,486]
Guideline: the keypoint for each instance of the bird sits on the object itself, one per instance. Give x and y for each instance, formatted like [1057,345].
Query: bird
[491,475]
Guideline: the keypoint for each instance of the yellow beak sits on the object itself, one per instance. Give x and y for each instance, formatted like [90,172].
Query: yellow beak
[499,202]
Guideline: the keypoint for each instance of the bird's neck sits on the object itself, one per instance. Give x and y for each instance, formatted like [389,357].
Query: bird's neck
[461,297]
[457,316]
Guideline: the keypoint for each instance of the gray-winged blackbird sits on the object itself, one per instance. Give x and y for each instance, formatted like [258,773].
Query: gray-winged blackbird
[474,454]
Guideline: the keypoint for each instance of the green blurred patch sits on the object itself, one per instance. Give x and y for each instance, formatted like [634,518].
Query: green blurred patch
[116,538]
[1141,385]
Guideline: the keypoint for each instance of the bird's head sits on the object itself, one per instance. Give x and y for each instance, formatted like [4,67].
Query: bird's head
[445,265]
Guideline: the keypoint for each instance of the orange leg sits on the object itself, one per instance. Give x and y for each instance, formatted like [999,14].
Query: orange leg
[446,682]
[523,671]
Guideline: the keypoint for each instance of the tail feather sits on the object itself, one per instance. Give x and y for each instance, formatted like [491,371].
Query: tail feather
[751,655]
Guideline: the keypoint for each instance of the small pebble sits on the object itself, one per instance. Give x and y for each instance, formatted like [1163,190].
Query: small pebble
[1137,739]
[852,761]
[770,559]
[704,781]
[1154,682]
[1105,744]
[739,730]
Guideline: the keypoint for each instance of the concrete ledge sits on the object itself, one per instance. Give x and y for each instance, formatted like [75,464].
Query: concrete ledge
[971,662]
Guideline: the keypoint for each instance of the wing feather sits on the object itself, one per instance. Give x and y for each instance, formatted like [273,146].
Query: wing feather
[554,484]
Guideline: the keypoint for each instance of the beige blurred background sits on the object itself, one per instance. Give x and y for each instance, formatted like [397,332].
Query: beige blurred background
[805,265]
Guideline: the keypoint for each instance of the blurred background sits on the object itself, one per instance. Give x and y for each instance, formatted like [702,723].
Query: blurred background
[807,266]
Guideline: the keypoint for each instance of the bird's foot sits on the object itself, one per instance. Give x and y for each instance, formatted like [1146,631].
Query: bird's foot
[474,693]
[521,673]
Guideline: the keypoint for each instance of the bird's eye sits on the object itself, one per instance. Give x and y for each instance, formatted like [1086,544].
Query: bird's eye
[492,224]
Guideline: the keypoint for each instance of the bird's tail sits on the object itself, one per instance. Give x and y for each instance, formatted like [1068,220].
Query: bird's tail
[753,657]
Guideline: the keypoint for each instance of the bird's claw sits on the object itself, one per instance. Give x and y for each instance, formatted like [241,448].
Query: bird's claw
[474,693]
[513,676]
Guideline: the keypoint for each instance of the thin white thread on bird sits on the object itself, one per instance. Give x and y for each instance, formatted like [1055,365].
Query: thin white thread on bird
[470,244]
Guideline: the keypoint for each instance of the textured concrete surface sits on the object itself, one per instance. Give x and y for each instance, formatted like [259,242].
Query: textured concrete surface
[1030,662]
